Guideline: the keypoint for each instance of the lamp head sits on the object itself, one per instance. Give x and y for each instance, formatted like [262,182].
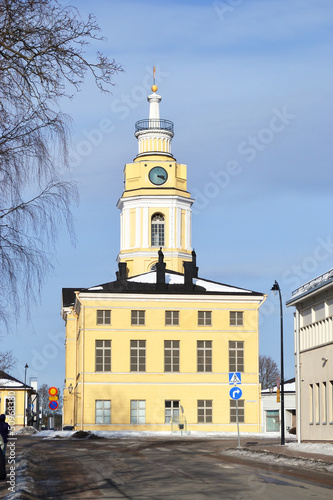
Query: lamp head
[275,288]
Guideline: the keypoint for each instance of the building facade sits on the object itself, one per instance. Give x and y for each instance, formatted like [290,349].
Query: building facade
[314,358]
[15,400]
[153,349]
[271,408]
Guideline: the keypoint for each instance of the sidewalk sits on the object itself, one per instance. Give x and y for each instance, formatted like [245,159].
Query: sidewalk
[310,455]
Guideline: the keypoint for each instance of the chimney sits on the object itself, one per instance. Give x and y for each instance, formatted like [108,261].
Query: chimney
[194,264]
[188,276]
[190,272]
[160,272]
[122,273]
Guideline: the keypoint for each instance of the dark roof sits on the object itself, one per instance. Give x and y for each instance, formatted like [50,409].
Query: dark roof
[131,286]
[5,376]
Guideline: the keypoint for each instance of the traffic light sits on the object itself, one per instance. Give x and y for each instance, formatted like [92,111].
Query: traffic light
[278,395]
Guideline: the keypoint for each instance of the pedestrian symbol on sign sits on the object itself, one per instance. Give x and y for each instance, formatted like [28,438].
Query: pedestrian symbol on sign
[235,378]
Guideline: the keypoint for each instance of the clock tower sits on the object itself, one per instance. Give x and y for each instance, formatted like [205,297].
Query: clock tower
[155,205]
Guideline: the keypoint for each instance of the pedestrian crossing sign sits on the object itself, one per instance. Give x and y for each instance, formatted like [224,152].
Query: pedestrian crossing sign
[235,378]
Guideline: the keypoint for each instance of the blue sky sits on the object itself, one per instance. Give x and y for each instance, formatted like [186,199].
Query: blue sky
[248,85]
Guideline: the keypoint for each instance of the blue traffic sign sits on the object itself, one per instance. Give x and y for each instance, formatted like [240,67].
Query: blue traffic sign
[235,378]
[235,393]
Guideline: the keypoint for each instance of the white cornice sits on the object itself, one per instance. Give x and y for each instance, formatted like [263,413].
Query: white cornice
[157,200]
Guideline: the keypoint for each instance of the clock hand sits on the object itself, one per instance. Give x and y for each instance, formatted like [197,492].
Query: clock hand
[161,176]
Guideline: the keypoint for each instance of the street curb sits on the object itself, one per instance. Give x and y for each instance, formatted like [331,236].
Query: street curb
[268,456]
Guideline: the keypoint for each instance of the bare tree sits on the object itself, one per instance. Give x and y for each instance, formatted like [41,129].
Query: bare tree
[268,371]
[42,60]
[7,361]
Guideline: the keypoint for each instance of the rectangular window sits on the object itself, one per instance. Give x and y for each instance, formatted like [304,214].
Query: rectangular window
[171,412]
[317,403]
[236,318]
[172,318]
[102,355]
[205,411]
[236,356]
[233,411]
[103,317]
[138,412]
[204,355]
[138,355]
[311,405]
[138,317]
[157,231]
[171,355]
[324,403]
[102,411]
[330,401]
[204,318]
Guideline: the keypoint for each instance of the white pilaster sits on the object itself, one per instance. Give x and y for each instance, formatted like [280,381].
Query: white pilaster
[138,227]
[179,227]
[145,227]
[127,229]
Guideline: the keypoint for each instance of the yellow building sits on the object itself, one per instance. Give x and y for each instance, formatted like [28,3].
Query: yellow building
[15,398]
[154,349]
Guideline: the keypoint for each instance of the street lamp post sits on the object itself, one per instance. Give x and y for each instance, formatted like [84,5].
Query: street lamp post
[275,289]
[25,393]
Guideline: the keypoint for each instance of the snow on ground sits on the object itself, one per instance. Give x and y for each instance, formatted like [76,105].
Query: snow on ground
[313,448]
[320,448]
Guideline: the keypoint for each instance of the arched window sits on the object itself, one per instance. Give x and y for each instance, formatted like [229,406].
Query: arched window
[157,230]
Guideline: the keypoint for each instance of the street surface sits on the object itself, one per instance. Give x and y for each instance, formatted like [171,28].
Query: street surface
[161,469]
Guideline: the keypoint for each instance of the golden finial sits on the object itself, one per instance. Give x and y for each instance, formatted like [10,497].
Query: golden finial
[154,86]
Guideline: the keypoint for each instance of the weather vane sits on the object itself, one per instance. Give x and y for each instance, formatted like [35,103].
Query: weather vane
[154,86]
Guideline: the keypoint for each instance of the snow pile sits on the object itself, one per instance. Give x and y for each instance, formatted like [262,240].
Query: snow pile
[276,458]
[27,430]
[319,448]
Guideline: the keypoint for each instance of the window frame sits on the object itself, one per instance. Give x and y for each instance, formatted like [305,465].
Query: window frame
[207,349]
[137,360]
[237,319]
[203,409]
[138,319]
[174,416]
[174,350]
[239,365]
[103,320]
[135,417]
[206,319]
[157,230]
[103,348]
[173,320]
[233,411]
[104,409]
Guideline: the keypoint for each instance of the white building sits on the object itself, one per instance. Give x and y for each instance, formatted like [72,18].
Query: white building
[314,358]
[271,408]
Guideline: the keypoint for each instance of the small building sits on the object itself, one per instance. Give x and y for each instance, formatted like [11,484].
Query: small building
[271,408]
[15,398]
[314,358]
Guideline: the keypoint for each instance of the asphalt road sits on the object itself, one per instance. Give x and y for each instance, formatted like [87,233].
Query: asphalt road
[152,468]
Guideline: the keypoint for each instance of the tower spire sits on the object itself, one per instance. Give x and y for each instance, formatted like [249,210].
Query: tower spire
[154,135]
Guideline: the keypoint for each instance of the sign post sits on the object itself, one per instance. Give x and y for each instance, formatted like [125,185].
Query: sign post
[236,393]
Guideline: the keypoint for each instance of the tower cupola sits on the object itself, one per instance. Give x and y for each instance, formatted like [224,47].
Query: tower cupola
[155,134]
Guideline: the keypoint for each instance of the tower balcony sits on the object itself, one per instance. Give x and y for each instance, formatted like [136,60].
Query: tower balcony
[154,124]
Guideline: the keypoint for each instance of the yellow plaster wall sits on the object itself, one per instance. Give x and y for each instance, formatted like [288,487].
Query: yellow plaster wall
[16,416]
[155,386]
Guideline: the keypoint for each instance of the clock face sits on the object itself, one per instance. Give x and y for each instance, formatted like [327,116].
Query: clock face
[158,176]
